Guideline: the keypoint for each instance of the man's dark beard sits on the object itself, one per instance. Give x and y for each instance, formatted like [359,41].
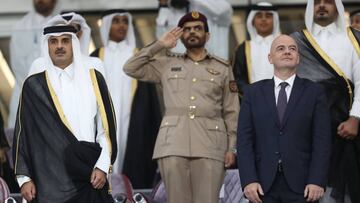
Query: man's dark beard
[200,43]
[325,19]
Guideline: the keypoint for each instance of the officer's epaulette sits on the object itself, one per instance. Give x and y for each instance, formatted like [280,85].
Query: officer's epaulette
[221,60]
[136,50]
[173,54]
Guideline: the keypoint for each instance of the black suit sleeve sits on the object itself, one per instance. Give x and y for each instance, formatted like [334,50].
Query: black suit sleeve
[245,142]
[321,143]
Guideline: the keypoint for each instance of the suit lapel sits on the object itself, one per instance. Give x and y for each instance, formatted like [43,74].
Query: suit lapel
[269,92]
[295,96]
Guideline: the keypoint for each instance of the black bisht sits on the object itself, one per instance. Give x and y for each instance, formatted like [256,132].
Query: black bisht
[344,169]
[46,150]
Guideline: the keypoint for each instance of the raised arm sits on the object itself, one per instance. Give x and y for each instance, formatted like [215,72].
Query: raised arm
[143,66]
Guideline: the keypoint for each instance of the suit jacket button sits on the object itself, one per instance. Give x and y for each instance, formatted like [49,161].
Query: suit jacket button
[281,132]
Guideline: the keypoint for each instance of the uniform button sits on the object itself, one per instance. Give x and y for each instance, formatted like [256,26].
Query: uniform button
[277,153]
[194,79]
[196,63]
[176,76]
[166,123]
[212,79]
[281,132]
[192,98]
[216,127]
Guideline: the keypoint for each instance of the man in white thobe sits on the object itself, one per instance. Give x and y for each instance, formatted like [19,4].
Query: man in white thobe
[25,47]
[329,56]
[250,62]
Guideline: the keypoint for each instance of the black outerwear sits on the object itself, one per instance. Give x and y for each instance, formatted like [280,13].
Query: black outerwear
[240,67]
[302,140]
[41,139]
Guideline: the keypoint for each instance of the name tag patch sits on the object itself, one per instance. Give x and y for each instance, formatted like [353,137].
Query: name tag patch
[176,68]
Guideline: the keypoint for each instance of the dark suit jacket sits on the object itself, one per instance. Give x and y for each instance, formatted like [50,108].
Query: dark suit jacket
[302,141]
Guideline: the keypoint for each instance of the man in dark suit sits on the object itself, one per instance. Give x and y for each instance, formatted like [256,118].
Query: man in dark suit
[284,135]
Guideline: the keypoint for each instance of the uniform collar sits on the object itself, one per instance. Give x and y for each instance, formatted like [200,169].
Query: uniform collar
[207,56]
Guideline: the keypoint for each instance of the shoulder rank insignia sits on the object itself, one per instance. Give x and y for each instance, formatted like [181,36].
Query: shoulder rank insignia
[233,86]
[212,71]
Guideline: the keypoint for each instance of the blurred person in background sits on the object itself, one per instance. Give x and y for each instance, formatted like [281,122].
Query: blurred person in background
[136,103]
[25,47]
[250,59]
[355,19]
[6,172]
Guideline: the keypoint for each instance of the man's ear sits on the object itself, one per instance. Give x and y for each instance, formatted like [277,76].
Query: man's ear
[270,59]
[207,36]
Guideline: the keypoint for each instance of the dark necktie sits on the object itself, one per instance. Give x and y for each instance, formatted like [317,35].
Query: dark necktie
[282,101]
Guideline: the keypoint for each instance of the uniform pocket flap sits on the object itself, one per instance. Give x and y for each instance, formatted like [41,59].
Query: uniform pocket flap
[215,125]
[169,121]
[176,74]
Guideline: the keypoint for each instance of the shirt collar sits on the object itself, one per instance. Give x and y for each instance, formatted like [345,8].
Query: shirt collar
[268,38]
[68,71]
[116,45]
[289,81]
[331,28]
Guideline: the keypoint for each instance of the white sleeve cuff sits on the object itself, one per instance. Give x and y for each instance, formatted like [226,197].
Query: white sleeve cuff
[103,163]
[355,110]
[21,179]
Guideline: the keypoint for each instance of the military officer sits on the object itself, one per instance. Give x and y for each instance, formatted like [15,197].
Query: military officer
[198,131]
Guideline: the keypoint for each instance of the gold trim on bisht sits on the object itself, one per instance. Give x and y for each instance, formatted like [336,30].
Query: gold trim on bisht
[18,135]
[101,107]
[248,60]
[104,120]
[57,103]
[353,41]
[329,61]
[101,53]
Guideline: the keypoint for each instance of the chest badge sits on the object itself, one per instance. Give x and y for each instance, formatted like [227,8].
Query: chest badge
[212,71]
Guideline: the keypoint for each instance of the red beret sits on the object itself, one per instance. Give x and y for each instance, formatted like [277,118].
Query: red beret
[194,16]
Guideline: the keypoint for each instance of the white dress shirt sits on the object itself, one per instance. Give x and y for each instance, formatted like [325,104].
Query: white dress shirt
[83,125]
[260,65]
[338,47]
[288,88]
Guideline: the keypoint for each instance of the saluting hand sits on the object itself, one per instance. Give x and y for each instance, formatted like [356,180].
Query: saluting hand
[28,191]
[170,38]
[98,178]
